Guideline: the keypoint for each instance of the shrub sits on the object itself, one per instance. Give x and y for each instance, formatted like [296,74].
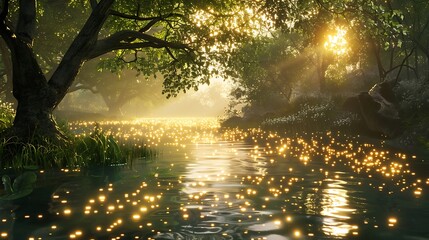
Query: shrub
[7,114]
[96,149]
[99,148]
[413,96]
[313,114]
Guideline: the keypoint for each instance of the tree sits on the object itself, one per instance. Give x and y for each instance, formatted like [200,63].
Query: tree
[375,27]
[180,38]
[117,89]
[50,44]
[266,70]
[416,42]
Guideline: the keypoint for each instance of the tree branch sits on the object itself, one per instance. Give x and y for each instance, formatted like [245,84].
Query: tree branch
[171,54]
[423,48]
[399,66]
[330,10]
[152,20]
[130,61]
[403,65]
[126,40]
[132,17]
[26,27]
[83,87]
[93,3]
[77,54]
[150,24]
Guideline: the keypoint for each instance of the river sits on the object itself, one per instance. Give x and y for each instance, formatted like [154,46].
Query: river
[212,183]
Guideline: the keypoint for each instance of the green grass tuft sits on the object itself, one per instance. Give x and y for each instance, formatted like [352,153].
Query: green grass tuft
[95,149]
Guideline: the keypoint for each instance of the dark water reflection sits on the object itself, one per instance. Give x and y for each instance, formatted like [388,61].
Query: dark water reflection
[231,185]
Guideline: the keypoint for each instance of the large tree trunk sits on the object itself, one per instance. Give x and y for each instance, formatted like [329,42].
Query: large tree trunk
[30,87]
[37,97]
[36,100]
[115,103]
[79,50]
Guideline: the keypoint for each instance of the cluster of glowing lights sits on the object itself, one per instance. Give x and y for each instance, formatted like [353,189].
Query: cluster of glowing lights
[335,150]
[116,211]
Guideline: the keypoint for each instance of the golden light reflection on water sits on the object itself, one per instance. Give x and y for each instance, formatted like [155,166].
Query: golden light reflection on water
[249,183]
[336,209]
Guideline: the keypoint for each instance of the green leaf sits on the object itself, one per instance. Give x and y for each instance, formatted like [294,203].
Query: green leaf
[24,182]
[16,195]
[22,186]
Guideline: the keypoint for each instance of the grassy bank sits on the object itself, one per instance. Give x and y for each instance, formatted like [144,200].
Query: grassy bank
[307,114]
[95,149]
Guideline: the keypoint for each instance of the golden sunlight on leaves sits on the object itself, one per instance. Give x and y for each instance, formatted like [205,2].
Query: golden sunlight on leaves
[245,22]
[337,43]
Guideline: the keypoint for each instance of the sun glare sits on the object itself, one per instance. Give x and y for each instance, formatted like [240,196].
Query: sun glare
[337,43]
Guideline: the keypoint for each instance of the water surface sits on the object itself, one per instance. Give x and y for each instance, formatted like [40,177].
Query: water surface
[209,183]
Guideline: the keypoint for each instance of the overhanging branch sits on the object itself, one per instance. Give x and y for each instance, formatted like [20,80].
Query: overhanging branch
[77,54]
[150,24]
[152,20]
[132,40]
[131,17]
[138,18]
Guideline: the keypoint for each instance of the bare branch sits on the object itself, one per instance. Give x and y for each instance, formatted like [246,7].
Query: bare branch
[400,66]
[404,65]
[417,41]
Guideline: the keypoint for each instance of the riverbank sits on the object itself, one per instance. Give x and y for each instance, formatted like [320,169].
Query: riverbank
[324,114]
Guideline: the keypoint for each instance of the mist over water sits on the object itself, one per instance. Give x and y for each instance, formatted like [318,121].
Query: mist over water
[209,101]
